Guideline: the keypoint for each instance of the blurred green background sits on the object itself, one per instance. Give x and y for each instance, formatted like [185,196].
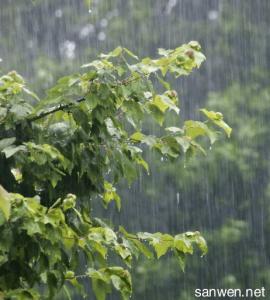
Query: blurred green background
[226,195]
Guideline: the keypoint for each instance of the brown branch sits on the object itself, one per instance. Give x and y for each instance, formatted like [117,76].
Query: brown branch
[55,109]
[69,105]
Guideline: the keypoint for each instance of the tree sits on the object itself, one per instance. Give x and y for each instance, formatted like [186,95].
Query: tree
[60,154]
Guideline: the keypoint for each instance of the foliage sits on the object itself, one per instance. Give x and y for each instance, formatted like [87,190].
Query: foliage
[82,139]
[236,213]
[232,181]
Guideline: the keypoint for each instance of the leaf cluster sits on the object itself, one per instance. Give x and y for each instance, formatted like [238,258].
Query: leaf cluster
[85,136]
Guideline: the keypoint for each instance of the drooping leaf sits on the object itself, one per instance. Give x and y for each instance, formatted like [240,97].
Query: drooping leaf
[5,204]
[4,143]
[217,118]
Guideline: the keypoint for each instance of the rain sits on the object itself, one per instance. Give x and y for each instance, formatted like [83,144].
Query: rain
[225,195]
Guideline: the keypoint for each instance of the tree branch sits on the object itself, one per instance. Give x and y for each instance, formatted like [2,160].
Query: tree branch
[69,105]
[55,109]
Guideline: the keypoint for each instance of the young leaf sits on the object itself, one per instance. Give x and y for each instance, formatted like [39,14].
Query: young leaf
[217,118]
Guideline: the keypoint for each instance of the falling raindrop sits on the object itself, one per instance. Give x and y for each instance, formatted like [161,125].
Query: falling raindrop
[58,13]
[30,44]
[102,36]
[171,4]
[234,37]
[212,15]
[67,49]
[86,31]
[104,23]
[177,198]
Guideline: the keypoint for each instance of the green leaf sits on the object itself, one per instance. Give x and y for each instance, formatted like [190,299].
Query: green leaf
[163,102]
[195,45]
[163,245]
[161,242]
[142,162]
[183,244]
[100,288]
[54,217]
[197,238]
[124,253]
[32,228]
[98,274]
[181,258]
[121,280]
[196,146]
[98,247]
[184,142]
[137,137]
[119,277]
[143,249]
[67,293]
[11,150]
[5,204]
[69,202]
[110,195]
[4,143]
[112,130]
[32,94]
[174,129]
[115,53]
[138,244]
[131,54]
[217,118]
[201,242]
[22,294]
[194,129]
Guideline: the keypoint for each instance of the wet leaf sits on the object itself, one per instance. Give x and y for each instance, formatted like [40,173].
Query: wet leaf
[5,204]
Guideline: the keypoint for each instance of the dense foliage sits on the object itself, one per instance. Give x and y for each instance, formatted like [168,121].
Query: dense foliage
[226,194]
[61,153]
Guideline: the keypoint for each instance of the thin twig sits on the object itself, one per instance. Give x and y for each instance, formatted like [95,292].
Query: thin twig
[55,109]
[69,105]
